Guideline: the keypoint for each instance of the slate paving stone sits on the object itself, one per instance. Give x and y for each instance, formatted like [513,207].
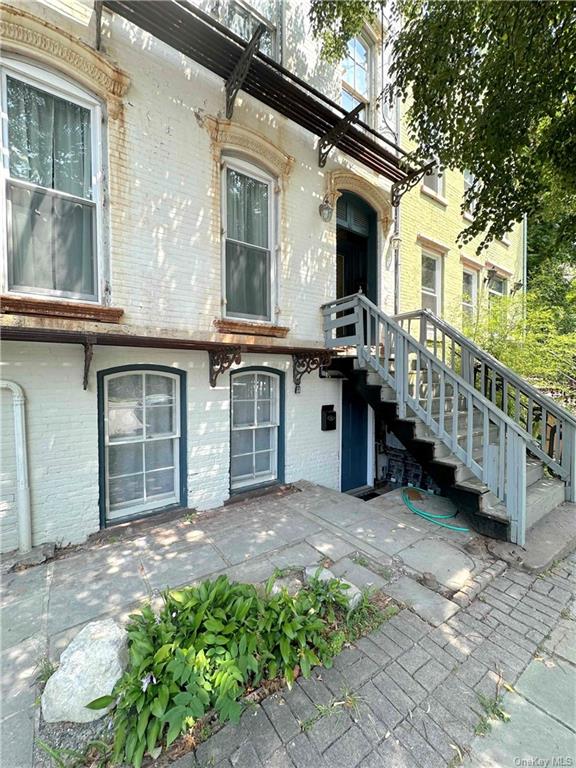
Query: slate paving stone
[361,577]
[374,728]
[552,687]
[471,672]
[429,605]
[358,673]
[349,750]
[450,565]
[335,681]
[330,545]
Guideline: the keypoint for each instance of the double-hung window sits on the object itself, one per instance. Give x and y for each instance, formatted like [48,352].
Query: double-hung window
[356,77]
[255,425]
[469,293]
[142,434]
[249,264]
[469,180]
[434,181]
[51,150]
[432,283]
[496,288]
[243,20]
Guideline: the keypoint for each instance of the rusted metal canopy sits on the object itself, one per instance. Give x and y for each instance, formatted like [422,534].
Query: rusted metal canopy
[198,36]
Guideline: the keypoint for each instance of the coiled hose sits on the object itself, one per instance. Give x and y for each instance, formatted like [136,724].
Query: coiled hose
[436,519]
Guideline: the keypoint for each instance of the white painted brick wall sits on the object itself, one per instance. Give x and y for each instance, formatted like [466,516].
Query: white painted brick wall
[62,428]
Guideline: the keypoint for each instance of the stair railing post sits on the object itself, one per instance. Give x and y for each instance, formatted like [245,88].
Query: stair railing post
[569,460]
[516,486]
[359,322]
[423,328]
[401,378]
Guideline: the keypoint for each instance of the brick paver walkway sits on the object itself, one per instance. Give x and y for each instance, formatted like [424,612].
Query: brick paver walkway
[407,696]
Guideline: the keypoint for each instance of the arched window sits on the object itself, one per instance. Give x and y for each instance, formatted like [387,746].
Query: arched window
[52,164]
[256,445]
[248,213]
[142,425]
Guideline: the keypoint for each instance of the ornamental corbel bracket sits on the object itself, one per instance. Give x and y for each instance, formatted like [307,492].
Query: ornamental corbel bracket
[88,345]
[306,362]
[330,140]
[221,359]
[240,71]
[400,188]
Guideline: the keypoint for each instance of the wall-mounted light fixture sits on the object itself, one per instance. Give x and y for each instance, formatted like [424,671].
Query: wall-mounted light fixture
[516,287]
[396,241]
[326,209]
[490,275]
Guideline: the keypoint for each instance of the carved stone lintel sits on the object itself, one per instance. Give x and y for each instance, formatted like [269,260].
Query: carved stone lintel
[221,359]
[401,187]
[306,362]
[240,71]
[88,345]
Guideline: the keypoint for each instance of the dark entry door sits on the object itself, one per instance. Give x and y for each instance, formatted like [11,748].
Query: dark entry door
[352,263]
[354,439]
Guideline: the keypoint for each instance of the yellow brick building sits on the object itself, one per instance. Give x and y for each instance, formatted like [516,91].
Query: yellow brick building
[436,271]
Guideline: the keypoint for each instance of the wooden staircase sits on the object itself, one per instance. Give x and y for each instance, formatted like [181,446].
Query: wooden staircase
[503,451]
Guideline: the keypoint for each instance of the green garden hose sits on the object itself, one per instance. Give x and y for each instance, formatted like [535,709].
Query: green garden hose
[436,519]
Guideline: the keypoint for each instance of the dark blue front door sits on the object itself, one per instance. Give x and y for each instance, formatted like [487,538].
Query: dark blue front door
[354,439]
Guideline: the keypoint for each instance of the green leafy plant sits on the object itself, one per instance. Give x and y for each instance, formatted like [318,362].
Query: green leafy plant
[205,647]
[45,668]
[96,754]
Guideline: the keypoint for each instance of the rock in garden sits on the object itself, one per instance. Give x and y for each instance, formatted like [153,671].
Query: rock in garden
[292,584]
[89,668]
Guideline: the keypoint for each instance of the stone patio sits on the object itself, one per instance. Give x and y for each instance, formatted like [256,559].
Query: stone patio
[411,687]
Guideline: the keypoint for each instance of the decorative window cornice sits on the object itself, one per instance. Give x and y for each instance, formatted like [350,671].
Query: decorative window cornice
[346,181]
[226,135]
[431,244]
[27,35]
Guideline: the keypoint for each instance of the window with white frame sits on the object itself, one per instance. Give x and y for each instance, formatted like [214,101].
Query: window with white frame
[432,283]
[141,441]
[356,68]
[255,425]
[497,287]
[51,150]
[434,181]
[469,180]
[469,293]
[248,232]
[243,20]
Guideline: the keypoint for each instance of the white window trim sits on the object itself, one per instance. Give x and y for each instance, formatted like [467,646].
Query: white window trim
[236,485]
[159,502]
[438,280]
[255,172]
[368,98]
[440,195]
[473,303]
[260,19]
[63,88]
[492,292]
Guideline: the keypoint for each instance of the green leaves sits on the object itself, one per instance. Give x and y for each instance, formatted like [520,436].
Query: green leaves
[202,650]
[101,703]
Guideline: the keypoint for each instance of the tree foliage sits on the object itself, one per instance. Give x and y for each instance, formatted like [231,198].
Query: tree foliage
[491,88]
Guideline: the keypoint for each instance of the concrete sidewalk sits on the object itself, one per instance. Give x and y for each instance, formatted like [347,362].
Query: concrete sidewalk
[433,654]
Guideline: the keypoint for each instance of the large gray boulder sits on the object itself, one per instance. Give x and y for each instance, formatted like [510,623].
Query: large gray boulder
[89,668]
